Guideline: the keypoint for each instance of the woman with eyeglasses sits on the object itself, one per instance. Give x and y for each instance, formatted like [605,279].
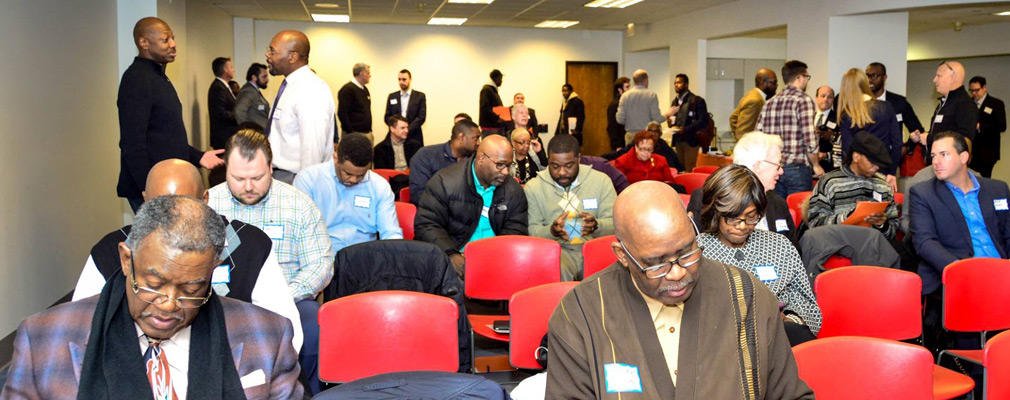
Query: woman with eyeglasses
[859,111]
[641,163]
[732,200]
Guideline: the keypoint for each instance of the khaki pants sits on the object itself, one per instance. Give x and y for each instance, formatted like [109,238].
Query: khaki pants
[688,155]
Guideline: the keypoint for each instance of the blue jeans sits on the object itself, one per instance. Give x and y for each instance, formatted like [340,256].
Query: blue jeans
[308,358]
[796,177]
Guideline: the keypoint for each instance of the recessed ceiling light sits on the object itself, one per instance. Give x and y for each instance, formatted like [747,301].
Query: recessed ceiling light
[446,21]
[556,24]
[331,18]
[327,5]
[611,3]
[471,1]
[1002,14]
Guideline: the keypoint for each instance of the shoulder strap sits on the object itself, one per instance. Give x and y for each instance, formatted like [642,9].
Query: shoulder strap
[742,292]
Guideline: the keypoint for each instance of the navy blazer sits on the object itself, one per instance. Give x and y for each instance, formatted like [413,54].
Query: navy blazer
[417,113]
[940,231]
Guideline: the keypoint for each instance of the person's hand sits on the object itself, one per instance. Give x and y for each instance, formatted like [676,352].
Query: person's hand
[589,224]
[822,156]
[558,227]
[535,145]
[818,171]
[875,219]
[457,264]
[210,159]
[892,181]
[674,110]
[922,139]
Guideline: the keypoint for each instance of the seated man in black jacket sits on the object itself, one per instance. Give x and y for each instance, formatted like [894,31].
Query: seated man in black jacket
[395,151]
[472,200]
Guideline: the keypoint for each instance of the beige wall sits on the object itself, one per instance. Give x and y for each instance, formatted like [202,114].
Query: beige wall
[60,158]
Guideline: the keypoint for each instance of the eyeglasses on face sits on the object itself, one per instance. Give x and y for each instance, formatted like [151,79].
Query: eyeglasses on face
[157,298]
[662,269]
[747,219]
[497,165]
[777,165]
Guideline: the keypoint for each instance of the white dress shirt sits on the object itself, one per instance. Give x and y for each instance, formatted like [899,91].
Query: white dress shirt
[301,132]
[404,100]
[176,351]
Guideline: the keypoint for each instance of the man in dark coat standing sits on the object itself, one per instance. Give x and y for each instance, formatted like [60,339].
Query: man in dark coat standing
[991,124]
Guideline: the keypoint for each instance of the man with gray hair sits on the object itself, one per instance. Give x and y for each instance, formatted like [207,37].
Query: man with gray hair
[354,103]
[158,325]
[639,106]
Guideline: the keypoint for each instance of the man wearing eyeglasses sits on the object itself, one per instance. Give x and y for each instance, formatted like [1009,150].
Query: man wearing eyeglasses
[472,200]
[956,111]
[158,328]
[666,322]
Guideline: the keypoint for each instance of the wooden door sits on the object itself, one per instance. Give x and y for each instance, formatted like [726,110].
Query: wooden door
[594,82]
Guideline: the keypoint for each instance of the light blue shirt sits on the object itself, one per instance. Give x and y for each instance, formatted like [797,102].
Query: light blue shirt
[486,194]
[354,214]
[981,242]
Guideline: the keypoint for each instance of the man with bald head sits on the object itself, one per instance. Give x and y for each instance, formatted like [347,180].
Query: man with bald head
[956,112]
[662,321]
[248,271]
[639,106]
[472,200]
[745,116]
[150,113]
[301,123]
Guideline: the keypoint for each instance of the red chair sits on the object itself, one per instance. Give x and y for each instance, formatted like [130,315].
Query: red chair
[388,173]
[975,299]
[673,171]
[405,195]
[899,199]
[531,309]
[796,216]
[387,331]
[705,169]
[855,368]
[686,198]
[996,359]
[795,200]
[837,261]
[498,267]
[597,255]
[690,180]
[405,213]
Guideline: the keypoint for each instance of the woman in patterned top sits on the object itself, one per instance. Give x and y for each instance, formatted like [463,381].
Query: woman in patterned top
[524,166]
[733,201]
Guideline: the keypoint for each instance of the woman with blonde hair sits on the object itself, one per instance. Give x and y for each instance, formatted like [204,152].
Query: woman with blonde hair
[859,111]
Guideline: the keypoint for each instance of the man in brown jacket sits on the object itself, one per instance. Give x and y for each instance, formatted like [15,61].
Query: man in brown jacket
[666,322]
[745,116]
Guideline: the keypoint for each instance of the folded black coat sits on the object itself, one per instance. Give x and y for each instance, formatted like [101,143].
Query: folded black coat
[417,385]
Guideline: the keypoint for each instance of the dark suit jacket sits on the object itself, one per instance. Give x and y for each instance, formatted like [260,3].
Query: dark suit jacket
[991,123]
[575,109]
[959,115]
[251,106]
[615,130]
[49,351]
[354,109]
[775,211]
[383,156]
[221,107]
[489,99]
[940,231]
[884,127]
[417,112]
[692,118]
[903,111]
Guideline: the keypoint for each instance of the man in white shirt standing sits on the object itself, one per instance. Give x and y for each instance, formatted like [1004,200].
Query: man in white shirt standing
[301,122]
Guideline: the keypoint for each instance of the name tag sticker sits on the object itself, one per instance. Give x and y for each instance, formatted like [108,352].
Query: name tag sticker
[590,204]
[987,110]
[831,125]
[362,201]
[938,119]
[900,117]
[622,378]
[781,225]
[222,274]
[392,101]
[261,107]
[877,197]
[1000,204]
[277,113]
[274,231]
[484,212]
[690,113]
[766,273]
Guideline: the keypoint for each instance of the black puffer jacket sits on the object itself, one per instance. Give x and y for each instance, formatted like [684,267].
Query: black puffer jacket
[450,207]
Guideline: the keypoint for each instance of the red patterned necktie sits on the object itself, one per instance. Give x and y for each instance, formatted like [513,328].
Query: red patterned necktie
[158,373]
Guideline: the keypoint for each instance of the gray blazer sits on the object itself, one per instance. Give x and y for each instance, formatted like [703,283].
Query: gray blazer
[250,105]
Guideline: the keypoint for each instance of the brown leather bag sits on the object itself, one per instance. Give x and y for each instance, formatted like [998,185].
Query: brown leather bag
[705,136]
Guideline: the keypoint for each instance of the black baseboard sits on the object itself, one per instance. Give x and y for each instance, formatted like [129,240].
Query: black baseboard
[7,343]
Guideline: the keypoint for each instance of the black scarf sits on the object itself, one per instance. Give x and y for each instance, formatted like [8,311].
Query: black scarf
[114,367]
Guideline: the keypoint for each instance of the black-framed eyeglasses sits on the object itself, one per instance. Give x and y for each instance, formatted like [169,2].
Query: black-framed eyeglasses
[157,298]
[806,76]
[777,165]
[498,165]
[662,269]
[747,219]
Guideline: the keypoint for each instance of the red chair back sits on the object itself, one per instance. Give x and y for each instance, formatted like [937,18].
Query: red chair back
[530,310]
[796,216]
[597,255]
[796,199]
[387,331]
[899,199]
[691,180]
[405,213]
[388,173]
[869,301]
[673,171]
[837,261]
[975,295]
[686,198]
[405,195]
[705,169]
[856,368]
[996,359]
[498,267]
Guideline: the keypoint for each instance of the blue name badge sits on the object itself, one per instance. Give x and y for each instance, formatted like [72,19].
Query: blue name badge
[622,378]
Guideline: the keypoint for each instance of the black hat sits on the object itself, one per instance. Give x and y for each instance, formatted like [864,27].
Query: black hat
[496,74]
[872,148]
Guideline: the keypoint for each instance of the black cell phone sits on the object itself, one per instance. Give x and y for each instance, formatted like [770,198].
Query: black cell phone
[501,326]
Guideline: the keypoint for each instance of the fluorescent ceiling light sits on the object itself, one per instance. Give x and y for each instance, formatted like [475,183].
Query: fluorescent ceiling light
[611,3]
[556,24]
[1002,14]
[327,5]
[331,18]
[471,1]
[446,21]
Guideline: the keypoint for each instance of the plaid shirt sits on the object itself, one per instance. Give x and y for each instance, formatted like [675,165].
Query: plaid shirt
[296,227]
[790,114]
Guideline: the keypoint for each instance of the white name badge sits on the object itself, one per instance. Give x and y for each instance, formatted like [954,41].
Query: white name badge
[590,204]
[484,212]
[277,113]
[222,274]
[622,378]
[392,101]
[274,231]
[831,125]
[261,107]
[766,273]
[690,113]
[938,119]
[987,110]
[877,197]
[781,225]
[1000,204]
[900,118]
[362,201]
